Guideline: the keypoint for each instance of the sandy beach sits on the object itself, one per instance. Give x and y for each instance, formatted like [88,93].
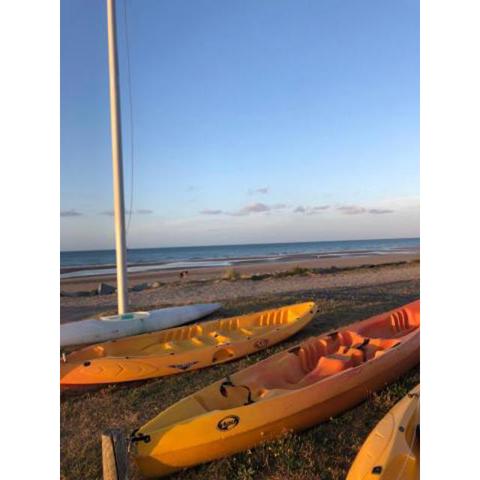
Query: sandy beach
[209,284]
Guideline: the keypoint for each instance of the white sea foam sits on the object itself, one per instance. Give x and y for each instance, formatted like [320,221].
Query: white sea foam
[144,268]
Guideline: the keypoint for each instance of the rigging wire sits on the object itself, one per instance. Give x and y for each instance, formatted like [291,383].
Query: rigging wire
[130,104]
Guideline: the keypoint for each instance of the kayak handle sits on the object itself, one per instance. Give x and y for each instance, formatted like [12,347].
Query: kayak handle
[138,437]
[228,383]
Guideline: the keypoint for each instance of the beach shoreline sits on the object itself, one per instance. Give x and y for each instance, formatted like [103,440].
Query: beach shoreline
[96,262]
[212,285]
[75,271]
[243,266]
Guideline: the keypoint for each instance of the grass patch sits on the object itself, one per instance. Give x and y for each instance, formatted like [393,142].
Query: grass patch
[260,276]
[366,266]
[323,452]
[293,272]
[328,270]
[231,274]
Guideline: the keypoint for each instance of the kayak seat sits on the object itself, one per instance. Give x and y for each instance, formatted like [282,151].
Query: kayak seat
[355,354]
[399,321]
[285,374]
[327,366]
[332,364]
[349,338]
[312,350]
[383,343]
[315,359]
[229,324]
[311,363]
[274,317]
[396,325]
[272,383]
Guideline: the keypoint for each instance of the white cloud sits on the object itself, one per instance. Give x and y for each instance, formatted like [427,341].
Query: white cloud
[70,213]
[208,211]
[261,190]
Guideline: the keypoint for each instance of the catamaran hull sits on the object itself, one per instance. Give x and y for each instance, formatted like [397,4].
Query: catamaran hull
[111,328]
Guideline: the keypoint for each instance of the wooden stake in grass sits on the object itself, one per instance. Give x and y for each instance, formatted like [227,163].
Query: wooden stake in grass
[114,455]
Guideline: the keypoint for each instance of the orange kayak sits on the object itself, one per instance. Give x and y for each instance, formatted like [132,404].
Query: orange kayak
[392,450]
[292,390]
[176,350]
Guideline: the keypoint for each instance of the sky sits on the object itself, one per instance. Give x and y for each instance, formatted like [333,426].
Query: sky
[252,122]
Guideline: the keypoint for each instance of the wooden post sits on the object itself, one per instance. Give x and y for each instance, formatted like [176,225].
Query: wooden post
[114,455]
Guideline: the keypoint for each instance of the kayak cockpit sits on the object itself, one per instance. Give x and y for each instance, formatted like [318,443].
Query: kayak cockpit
[312,361]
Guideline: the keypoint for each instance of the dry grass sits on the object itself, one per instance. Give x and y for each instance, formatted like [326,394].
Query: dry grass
[301,271]
[297,270]
[323,452]
[231,274]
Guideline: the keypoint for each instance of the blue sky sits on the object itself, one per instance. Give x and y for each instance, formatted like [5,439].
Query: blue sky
[254,121]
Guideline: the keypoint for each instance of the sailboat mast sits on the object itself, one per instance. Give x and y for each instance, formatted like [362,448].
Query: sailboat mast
[116,132]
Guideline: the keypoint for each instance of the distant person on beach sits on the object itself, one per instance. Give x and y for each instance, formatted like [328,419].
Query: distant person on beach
[183,274]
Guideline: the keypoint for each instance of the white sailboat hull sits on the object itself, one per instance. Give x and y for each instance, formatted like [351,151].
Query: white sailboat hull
[136,323]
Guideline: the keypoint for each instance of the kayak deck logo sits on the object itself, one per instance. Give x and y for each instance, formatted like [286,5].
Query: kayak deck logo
[228,423]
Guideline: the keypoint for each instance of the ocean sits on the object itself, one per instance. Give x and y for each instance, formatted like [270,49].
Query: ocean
[142,259]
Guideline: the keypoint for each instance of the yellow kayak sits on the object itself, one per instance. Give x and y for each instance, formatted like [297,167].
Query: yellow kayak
[181,349]
[292,390]
[392,450]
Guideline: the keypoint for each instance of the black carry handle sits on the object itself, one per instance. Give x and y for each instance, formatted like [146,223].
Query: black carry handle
[138,437]
[228,383]
[361,347]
